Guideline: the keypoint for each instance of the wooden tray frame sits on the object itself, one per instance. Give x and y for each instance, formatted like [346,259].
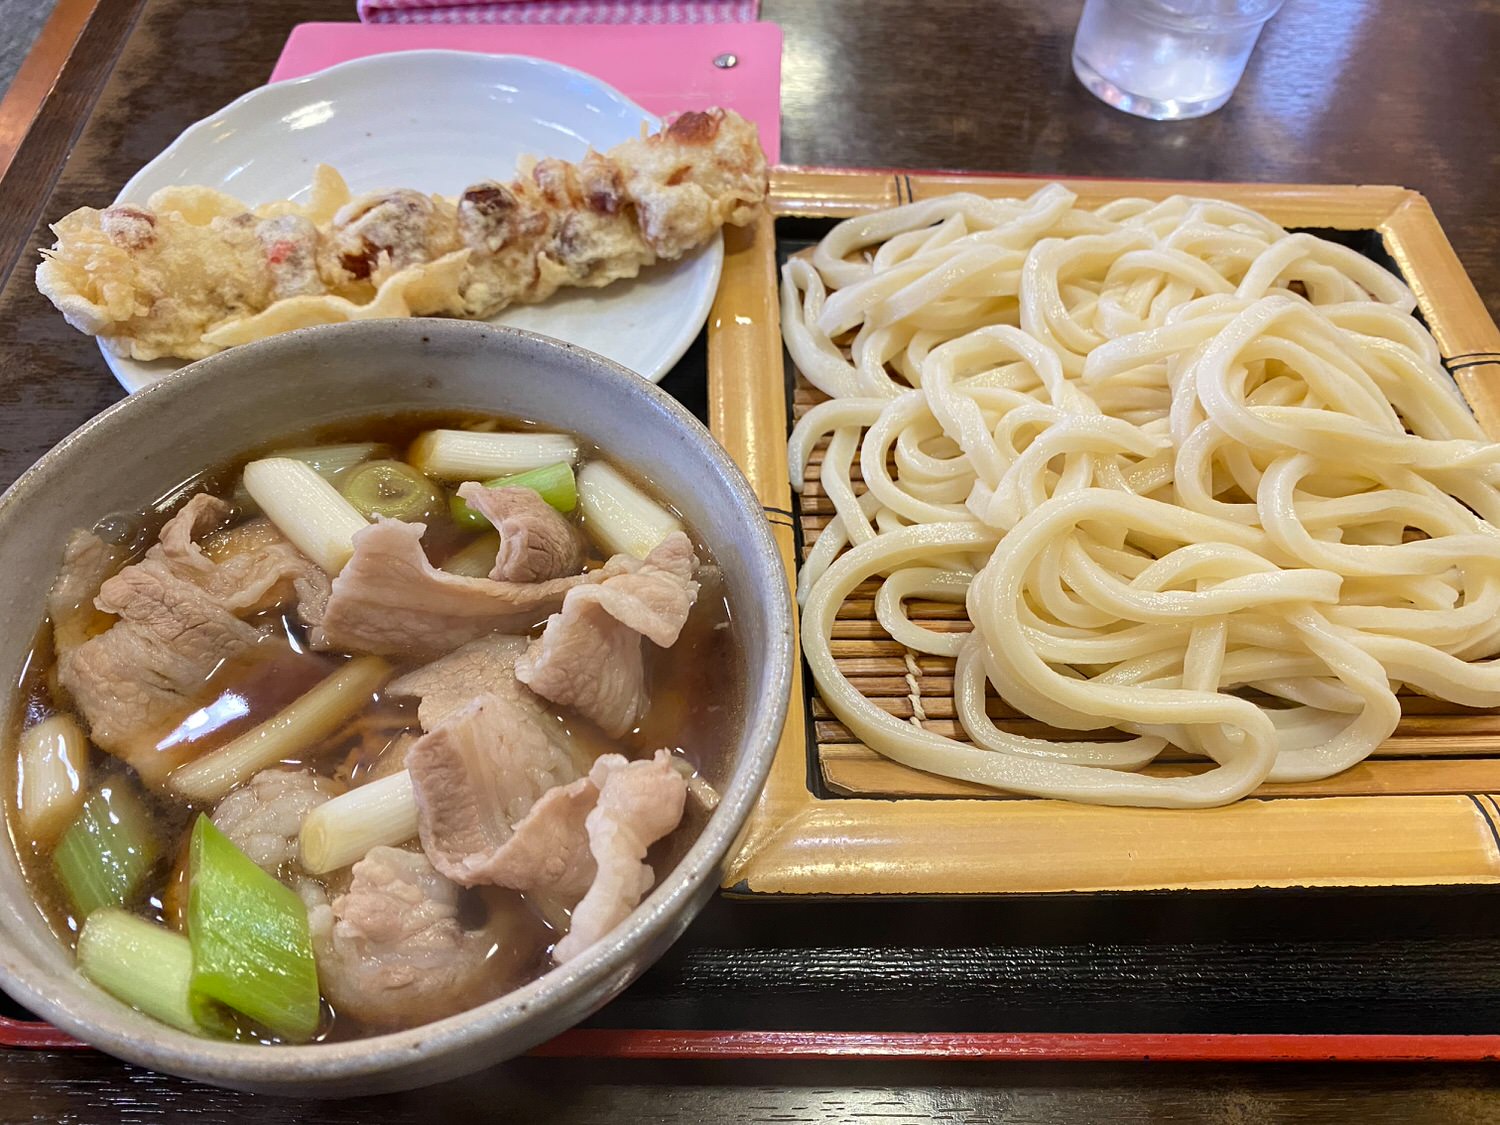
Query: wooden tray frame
[801,842]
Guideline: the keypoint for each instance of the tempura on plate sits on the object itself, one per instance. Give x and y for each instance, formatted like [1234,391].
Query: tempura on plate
[195,271]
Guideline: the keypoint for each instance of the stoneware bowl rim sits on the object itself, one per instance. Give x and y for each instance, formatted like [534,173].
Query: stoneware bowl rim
[319,1069]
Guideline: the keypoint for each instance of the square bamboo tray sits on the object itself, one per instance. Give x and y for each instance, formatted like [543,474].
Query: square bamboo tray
[838,819]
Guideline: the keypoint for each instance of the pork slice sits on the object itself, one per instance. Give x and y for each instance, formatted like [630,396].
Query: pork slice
[590,655]
[87,562]
[134,682]
[488,667]
[546,851]
[536,542]
[655,599]
[179,617]
[390,599]
[588,661]
[547,855]
[476,776]
[254,556]
[264,817]
[638,804]
[253,569]
[448,684]
[392,951]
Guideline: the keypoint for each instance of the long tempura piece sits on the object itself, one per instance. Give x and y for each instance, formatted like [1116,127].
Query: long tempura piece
[196,271]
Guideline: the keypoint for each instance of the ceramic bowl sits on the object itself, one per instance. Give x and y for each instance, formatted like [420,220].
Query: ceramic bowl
[250,397]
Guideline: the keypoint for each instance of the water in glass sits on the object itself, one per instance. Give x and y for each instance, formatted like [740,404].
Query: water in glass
[1167,58]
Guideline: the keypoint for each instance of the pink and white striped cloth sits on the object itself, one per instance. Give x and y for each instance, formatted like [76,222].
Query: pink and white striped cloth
[559,11]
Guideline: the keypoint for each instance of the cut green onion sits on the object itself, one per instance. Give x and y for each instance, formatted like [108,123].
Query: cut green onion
[618,515]
[554,483]
[294,730]
[341,831]
[105,855]
[140,963]
[329,461]
[466,455]
[391,489]
[464,516]
[251,948]
[54,763]
[306,509]
[476,560]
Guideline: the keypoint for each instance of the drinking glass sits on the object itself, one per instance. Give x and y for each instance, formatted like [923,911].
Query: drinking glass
[1167,59]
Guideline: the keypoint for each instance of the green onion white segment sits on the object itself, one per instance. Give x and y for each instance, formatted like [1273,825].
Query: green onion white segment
[621,518]
[296,728]
[54,762]
[340,832]
[306,509]
[459,455]
[329,461]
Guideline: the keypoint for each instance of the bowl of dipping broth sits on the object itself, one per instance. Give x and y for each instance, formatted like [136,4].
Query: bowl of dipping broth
[380,699]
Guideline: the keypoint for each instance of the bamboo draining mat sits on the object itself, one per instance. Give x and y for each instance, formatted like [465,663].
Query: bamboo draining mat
[836,818]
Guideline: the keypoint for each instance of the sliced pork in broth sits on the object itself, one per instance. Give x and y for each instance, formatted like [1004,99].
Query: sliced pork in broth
[393,950]
[590,656]
[477,775]
[181,615]
[391,599]
[536,542]
[637,804]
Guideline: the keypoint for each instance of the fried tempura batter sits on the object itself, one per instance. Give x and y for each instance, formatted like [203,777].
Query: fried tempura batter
[196,271]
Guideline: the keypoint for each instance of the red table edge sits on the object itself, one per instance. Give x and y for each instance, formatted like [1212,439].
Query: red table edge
[977,1046]
[1020,1047]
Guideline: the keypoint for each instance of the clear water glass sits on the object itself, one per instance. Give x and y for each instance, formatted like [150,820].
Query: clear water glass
[1167,59]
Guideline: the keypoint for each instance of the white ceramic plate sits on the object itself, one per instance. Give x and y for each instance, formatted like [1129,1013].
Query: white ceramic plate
[437,121]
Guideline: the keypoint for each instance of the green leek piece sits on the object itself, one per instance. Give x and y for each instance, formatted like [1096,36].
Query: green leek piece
[251,948]
[555,483]
[145,965]
[105,855]
[393,490]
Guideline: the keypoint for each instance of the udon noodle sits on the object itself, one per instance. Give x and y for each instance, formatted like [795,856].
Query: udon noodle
[1195,479]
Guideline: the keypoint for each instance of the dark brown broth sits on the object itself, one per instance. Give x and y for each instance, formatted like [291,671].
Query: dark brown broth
[691,709]
[243,693]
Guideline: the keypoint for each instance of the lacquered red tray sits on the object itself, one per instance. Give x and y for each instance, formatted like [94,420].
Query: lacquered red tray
[642,1044]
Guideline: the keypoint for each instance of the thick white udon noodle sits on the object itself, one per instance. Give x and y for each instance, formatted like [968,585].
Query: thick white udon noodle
[1169,456]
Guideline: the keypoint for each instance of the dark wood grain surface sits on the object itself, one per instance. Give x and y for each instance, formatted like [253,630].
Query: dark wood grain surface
[1339,90]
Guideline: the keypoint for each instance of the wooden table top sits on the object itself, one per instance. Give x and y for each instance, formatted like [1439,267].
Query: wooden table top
[1374,91]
